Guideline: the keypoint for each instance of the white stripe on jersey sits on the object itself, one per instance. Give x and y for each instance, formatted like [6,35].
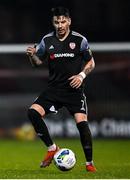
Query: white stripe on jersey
[84,43]
[77,34]
[49,35]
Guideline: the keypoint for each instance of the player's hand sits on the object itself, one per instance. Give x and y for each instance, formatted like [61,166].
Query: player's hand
[76,81]
[31,51]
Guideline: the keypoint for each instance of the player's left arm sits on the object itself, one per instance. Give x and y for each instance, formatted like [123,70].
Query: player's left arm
[90,65]
[77,80]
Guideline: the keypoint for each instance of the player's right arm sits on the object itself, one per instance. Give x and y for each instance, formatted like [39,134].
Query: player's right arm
[35,52]
[34,59]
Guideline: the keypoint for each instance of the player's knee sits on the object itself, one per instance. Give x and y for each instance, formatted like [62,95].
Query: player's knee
[80,117]
[33,114]
[39,109]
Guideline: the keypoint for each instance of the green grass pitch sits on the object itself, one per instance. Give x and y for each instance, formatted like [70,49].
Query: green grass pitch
[20,160]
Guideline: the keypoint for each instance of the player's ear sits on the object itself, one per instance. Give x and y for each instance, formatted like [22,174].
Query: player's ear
[69,19]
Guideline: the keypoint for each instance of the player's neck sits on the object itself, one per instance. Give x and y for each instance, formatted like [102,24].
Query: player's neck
[63,37]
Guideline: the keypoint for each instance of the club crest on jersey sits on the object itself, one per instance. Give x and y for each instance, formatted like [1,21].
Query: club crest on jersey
[72,45]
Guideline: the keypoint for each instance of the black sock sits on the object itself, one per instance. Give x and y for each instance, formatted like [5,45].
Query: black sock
[86,139]
[40,127]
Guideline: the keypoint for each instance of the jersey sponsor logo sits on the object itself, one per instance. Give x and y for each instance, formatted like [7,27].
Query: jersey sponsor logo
[72,45]
[52,56]
[59,55]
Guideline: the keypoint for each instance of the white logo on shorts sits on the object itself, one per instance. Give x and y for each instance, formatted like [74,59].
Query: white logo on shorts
[52,109]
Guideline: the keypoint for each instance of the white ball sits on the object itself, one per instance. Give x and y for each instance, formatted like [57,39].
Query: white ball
[64,159]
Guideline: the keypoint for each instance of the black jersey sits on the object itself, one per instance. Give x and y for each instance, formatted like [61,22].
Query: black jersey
[65,58]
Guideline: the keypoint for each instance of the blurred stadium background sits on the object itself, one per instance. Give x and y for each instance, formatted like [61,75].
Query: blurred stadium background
[106,25]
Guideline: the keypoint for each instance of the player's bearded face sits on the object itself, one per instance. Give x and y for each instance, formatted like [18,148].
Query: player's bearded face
[61,24]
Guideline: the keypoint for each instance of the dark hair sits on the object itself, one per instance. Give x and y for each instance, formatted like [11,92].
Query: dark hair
[60,11]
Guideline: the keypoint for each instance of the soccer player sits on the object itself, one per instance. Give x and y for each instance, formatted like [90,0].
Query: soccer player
[69,62]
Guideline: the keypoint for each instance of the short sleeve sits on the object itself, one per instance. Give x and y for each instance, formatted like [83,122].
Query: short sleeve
[85,50]
[40,48]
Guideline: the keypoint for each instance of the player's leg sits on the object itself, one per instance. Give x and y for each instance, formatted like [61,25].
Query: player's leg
[36,113]
[86,139]
[79,110]
[75,102]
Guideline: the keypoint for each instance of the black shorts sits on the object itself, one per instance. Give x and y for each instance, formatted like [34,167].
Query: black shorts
[54,99]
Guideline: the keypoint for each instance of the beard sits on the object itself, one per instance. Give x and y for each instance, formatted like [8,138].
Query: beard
[61,32]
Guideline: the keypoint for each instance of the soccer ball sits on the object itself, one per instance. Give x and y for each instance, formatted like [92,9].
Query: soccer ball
[64,159]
